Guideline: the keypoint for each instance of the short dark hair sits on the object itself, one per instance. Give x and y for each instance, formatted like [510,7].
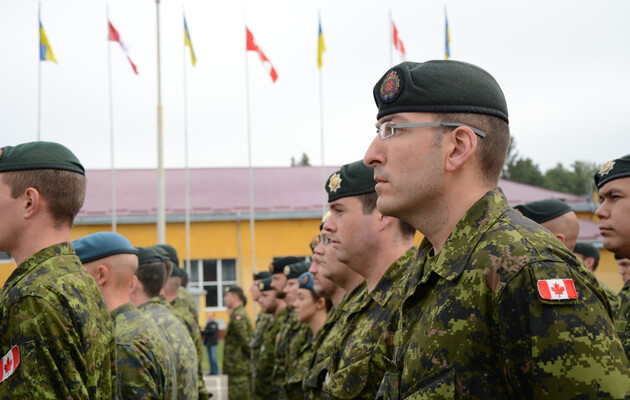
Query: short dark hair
[239,292]
[64,191]
[368,202]
[595,263]
[152,276]
[492,149]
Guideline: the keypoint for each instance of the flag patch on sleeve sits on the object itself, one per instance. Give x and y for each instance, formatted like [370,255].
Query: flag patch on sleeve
[557,289]
[9,363]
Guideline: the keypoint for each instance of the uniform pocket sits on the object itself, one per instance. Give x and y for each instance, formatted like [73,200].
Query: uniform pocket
[349,381]
[437,386]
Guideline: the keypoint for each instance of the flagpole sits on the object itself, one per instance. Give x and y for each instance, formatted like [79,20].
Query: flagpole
[161,218]
[321,119]
[186,172]
[249,163]
[39,73]
[111,124]
[391,39]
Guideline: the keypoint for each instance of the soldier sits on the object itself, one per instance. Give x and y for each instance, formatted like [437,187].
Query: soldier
[56,335]
[273,306]
[589,255]
[296,335]
[145,290]
[262,322]
[236,350]
[613,183]
[182,293]
[146,369]
[555,215]
[211,340]
[494,306]
[182,311]
[378,248]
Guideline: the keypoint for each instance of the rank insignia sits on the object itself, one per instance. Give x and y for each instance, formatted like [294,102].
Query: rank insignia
[335,183]
[606,168]
[391,86]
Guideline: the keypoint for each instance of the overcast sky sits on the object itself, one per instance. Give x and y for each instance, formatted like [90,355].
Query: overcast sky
[563,66]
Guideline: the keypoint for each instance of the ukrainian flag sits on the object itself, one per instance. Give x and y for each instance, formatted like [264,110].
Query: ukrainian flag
[45,51]
[321,46]
[447,38]
[188,42]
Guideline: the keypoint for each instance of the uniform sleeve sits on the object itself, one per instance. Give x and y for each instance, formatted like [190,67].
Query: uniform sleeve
[559,348]
[244,334]
[137,373]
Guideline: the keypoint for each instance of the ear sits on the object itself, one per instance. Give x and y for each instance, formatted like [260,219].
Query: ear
[320,304]
[135,285]
[384,221]
[102,275]
[461,147]
[560,236]
[32,202]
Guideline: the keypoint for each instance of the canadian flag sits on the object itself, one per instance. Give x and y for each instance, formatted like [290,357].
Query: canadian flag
[9,363]
[114,36]
[250,45]
[557,289]
[398,44]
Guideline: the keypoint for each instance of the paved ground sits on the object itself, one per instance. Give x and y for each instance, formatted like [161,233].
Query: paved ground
[217,385]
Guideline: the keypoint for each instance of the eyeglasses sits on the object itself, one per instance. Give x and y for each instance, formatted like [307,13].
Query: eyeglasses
[325,239]
[388,128]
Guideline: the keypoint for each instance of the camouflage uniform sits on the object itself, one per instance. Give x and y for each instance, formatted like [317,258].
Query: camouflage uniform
[477,322]
[236,355]
[182,312]
[363,355]
[146,368]
[262,322]
[183,347]
[286,318]
[296,359]
[266,361]
[612,296]
[622,317]
[188,300]
[53,315]
[326,340]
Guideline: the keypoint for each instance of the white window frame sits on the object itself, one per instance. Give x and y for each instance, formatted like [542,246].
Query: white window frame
[220,284]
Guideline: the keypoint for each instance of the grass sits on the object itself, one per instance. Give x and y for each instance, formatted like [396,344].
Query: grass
[205,363]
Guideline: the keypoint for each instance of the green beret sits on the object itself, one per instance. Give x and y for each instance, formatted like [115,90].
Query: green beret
[306,281]
[439,86]
[39,155]
[170,252]
[265,285]
[261,275]
[277,266]
[148,255]
[587,250]
[618,257]
[611,170]
[100,245]
[178,272]
[544,210]
[295,270]
[351,180]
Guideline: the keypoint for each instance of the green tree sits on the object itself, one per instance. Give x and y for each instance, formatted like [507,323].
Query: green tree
[524,170]
[304,161]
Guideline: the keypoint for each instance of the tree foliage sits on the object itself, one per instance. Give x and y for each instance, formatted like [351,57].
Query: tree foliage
[304,161]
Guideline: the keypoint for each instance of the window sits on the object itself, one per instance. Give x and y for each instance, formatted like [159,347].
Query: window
[213,276]
[5,258]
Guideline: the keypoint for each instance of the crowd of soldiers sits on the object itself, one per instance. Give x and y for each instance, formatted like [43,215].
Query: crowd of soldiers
[495,302]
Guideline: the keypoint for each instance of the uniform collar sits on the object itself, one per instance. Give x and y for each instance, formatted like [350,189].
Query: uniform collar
[390,281]
[123,309]
[59,249]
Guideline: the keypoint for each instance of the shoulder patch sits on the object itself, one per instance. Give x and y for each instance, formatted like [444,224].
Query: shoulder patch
[238,317]
[557,289]
[9,363]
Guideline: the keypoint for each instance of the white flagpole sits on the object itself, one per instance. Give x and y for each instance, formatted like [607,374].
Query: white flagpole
[161,217]
[39,72]
[321,119]
[249,163]
[111,124]
[186,172]
[391,39]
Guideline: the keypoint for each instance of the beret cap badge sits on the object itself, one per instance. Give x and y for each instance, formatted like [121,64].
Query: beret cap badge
[261,285]
[391,86]
[606,168]
[335,183]
[287,270]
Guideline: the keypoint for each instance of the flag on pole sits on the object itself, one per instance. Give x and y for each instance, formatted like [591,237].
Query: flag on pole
[251,45]
[398,44]
[188,42]
[447,38]
[321,46]
[45,51]
[114,36]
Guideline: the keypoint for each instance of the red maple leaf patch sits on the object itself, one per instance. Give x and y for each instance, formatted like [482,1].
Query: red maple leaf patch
[557,289]
[7,366]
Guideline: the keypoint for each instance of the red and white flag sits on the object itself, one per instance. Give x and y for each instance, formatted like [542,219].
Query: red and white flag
[398,44]
[251,45]
[557,289]
[9,363]
[114,36]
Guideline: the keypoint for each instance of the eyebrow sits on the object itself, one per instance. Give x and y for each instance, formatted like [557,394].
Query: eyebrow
[390,118]
[611,191]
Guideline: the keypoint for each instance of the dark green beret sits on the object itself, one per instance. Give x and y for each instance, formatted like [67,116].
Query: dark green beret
[544,210]
[261,275]
[277,267]
[351,180]
[178,272]
[618,257]
[439,86]
[39,155]
[295,270]
[148,255]
[170,252]
[265,285]
[306,281]
[100,245]
[587,250]
[611,170]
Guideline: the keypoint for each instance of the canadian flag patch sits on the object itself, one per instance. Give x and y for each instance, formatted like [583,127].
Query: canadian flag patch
[9,363]
[557,289]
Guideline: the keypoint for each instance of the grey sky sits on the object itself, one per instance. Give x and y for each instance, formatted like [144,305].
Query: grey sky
[563,66]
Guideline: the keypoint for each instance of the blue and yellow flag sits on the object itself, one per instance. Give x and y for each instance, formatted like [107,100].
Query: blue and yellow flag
[188,42]
[321,46]
[45,51]
[447,38]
